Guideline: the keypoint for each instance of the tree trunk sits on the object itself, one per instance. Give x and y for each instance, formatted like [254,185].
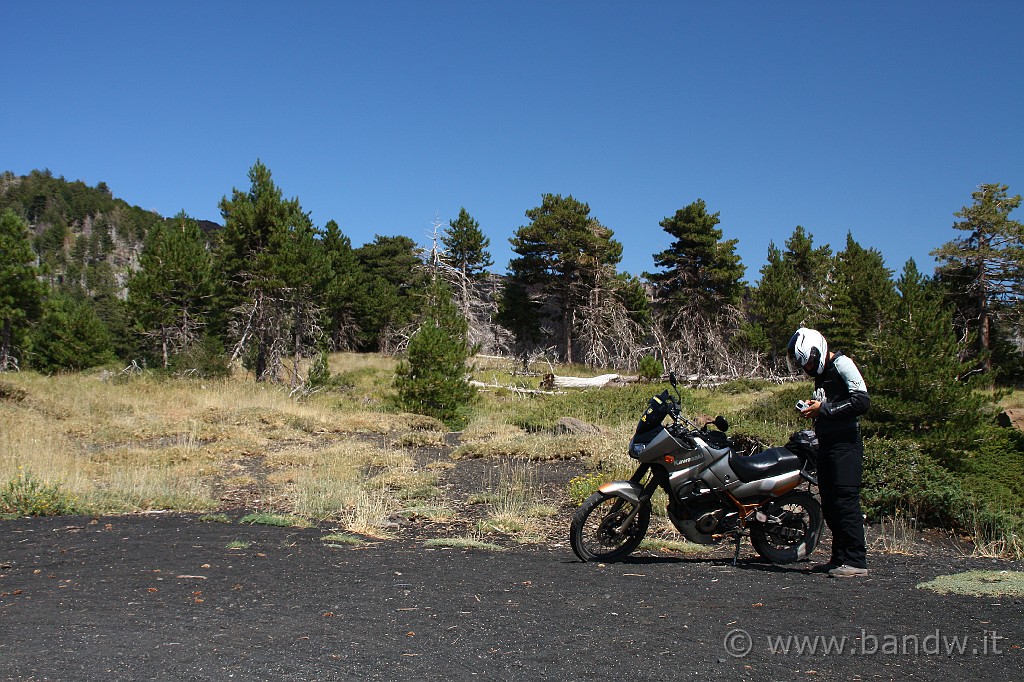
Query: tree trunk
[984,332]
[5,345]
[568,318]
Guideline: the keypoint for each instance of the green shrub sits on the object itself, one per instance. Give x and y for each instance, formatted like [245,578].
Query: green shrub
[898,476]
[204,360]
[744,385]
[432,379]
[994,469]
[772,418]
[650,368]
[283,521]
[606,406]
[582,487]
[319,374]
[70,336]
[27,495]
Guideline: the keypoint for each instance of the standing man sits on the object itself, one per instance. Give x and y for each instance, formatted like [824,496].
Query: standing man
[840,398]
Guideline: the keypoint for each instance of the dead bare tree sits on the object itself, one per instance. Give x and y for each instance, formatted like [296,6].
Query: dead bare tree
[270,328]
[697,341]
[475,297]
[176,337]
[607,335]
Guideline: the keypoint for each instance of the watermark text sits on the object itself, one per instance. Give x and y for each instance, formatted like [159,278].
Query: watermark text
[739,643]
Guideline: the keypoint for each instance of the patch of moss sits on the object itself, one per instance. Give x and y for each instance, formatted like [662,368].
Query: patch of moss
[978,583]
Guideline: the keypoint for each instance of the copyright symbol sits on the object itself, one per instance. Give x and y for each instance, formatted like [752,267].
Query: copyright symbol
[738,643]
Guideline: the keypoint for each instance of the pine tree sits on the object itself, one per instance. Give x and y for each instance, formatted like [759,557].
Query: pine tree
[393,281]
[776,305]
[345,295]
[913,371]
[700,268]
[20,290]
[432,380]
[170,295]
[697,294]
[70,336]
[275,276]
[793,290]
[862,292]
[563,253]
[521,315]
[466,246]
[987,263]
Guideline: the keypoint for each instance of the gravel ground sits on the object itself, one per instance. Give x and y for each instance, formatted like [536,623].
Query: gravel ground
[163,597]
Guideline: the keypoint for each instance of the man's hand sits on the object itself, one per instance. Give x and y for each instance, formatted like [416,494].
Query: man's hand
[812,410]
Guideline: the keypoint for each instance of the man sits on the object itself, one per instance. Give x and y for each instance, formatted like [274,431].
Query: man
[840,398]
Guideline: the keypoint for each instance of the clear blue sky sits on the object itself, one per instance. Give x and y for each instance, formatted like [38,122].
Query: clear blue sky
[878,118]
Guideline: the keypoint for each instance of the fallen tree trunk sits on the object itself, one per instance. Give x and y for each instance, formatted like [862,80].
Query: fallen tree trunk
[551,381]
[513,389]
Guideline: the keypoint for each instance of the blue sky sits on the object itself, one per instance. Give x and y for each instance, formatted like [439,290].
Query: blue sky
[877,118]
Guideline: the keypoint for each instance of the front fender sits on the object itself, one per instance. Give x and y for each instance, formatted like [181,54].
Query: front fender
[627,490]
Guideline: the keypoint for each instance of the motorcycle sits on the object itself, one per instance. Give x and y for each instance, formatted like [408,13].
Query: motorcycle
[714,493]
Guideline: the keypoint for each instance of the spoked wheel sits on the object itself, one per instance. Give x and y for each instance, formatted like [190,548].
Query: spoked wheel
[796,533]
[606,529]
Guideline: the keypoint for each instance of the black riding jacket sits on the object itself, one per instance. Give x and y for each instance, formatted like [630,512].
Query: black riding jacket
[843,395]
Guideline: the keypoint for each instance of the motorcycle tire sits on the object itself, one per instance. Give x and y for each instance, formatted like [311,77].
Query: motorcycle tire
[593,534]
[796,536]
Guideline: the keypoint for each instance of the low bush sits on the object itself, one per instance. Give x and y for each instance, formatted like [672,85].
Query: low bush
[28,495]
[899,477]
[650,368]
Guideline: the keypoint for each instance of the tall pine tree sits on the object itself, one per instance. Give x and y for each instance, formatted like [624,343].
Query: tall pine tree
[563,255]
[433,378]
[345,294]
[986,264]
[275,276]
[912,367]
[860,294]
[393,279]
[793,290]
[170,295]
[698,291]
[20,290]
[466,246]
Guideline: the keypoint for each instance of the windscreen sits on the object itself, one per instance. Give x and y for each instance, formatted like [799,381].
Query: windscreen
[657,409]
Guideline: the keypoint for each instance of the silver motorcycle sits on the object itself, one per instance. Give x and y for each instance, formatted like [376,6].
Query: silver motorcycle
[714,493]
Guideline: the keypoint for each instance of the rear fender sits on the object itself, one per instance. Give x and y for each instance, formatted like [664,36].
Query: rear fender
[627,490]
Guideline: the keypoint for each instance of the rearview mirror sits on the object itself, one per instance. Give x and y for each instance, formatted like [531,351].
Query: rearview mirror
[721,423]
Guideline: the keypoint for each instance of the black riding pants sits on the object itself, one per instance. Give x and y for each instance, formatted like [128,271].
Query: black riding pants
[840,469]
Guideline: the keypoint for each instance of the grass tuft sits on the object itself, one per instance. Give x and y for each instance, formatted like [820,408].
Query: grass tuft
[463,543]
[280,520]
[978,583]
[338,539]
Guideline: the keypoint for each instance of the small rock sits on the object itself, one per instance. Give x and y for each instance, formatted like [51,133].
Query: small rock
[571,425]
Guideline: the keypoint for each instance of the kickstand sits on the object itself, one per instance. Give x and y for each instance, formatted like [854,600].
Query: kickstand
[736,555]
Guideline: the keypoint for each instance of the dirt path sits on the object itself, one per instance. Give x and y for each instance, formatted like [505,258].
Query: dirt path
[163,597]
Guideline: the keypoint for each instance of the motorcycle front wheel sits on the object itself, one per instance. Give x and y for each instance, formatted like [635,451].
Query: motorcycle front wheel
[796,533]
[597,534]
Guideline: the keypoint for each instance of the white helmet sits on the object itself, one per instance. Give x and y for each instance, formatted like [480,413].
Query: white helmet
[808,349]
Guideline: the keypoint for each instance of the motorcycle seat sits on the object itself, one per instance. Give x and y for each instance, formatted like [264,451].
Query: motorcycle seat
[771,462]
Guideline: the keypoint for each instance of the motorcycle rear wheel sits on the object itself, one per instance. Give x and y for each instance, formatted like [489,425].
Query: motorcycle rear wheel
[796,536]
[594,534]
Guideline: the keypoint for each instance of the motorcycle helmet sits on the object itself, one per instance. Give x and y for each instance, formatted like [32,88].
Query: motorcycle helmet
[808,350]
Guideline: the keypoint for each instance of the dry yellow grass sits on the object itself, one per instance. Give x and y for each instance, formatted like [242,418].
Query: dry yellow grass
[141,443]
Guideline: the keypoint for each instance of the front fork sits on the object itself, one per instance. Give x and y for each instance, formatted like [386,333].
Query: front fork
[633,492]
